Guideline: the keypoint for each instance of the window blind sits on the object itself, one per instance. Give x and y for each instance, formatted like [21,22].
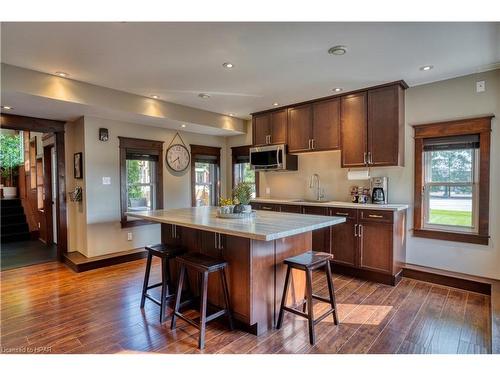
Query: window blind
[451,143]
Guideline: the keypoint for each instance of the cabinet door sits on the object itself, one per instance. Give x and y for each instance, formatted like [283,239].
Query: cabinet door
[291,208]
[344,240]
[261,129]
[320,237]
[385,126]
[353,130]
[326,125]
[299,128]
[278,126]
[375,246]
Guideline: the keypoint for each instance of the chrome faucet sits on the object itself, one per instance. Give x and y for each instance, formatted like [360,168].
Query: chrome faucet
[314,183]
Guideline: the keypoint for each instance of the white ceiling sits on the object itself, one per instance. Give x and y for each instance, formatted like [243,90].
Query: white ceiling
[274,62]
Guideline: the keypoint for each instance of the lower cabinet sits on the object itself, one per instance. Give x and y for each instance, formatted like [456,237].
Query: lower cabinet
[370,244]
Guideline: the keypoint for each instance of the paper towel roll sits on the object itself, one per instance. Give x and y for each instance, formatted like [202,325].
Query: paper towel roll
[358,175]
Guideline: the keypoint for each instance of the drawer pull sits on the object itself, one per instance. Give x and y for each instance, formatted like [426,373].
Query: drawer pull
[376,216]
[342,213]
[267,208]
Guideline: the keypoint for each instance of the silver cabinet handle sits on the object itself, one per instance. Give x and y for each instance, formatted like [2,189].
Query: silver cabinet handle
[266,208]
[360,230]
[356,230]
[376,216]
[370,158]
[364,157]
[312,142]
[342,214]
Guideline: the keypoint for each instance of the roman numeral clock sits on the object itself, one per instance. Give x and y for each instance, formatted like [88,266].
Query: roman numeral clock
[177,157]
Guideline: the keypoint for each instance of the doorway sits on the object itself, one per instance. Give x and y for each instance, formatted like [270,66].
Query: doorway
[34,221]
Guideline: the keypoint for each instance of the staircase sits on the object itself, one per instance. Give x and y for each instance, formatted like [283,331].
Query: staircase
[13,226]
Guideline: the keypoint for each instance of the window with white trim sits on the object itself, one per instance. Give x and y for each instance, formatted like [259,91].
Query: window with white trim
[450,194]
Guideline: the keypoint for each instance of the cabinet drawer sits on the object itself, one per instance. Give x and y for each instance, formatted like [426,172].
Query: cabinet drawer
[350,213]
[269,207]
[376,215]
[291,208]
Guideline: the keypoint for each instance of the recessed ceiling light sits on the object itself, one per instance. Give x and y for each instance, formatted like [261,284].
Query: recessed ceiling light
[337,89]
[155,96]
[204,96]
[6,107]
[62,74]
[228,65]
[426,67]
[276,104]
[231,114]
[338,50]
[183,125]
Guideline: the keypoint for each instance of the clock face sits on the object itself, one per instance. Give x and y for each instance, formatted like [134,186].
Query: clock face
[178,157]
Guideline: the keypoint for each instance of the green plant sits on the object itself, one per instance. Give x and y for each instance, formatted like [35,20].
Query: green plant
[242,193]
[10,155]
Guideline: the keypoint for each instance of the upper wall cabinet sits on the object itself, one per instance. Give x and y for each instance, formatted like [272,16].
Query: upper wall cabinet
[269,128]
[372,127]
[299,128]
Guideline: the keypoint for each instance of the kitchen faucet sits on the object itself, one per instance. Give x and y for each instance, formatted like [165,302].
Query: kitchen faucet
[314,182]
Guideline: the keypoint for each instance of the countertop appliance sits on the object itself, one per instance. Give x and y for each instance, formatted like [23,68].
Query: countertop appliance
[272,158]
[378,187]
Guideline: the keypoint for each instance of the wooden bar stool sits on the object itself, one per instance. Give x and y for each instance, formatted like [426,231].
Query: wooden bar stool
[165,253]
[204,265]
[309,262]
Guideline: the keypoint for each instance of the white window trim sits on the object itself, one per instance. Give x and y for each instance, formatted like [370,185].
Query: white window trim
[475,198]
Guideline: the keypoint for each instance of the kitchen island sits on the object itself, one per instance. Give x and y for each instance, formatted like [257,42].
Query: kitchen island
[254,249]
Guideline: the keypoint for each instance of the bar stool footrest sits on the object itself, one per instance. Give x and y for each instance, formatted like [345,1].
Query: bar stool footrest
[153,286]
[294,311]
[323,316]
[320,298]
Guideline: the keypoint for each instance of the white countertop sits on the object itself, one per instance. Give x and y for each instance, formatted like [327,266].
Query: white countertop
[298,202]
[265,226]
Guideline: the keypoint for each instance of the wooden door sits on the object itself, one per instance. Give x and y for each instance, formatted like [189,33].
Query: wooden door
[278,126]
[320,237]
[261,129]
[326,125]
[353,130]
[384,126]
[344,240]
[299,128]
[375,246]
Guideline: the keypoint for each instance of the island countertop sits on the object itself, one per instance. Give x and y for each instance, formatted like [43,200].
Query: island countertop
[265,226]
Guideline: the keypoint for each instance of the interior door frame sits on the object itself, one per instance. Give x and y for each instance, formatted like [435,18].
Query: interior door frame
[25,123]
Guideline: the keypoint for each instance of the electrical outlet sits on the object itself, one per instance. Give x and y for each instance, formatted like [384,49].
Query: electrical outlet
[268,191]
[129,236]
[106,180]
[480,86]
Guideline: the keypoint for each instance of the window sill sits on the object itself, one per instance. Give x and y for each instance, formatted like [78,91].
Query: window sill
[136,223]
[452,236]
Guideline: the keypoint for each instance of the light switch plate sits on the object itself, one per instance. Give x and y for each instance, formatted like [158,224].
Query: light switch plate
[268,190]
[106,180]
[129,236]
[480,86]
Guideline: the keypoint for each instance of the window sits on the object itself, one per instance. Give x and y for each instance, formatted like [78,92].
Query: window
[141,177]
[205,175]
[242,172]
[452,180]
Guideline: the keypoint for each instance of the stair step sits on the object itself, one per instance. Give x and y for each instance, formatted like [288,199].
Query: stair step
[14,228]
[14,210]
[14,237]
[14,202]
[13,219]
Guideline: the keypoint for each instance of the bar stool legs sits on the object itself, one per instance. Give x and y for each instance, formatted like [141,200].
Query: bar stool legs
[146,280]
[310,313]
[331,292]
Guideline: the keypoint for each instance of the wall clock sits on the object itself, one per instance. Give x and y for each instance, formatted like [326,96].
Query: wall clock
[177,156]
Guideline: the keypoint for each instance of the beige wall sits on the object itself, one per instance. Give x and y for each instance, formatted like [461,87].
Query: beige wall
[440,101]
[76,211]
[103,232]
[238,140]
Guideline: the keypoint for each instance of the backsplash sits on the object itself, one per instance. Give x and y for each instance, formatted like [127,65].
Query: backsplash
[333,179]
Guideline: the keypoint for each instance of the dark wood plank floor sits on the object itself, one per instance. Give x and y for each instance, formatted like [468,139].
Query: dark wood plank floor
[50,309]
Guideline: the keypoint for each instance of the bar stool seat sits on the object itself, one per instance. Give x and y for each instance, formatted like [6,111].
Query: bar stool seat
[309,262]
[165,253]
[204,265]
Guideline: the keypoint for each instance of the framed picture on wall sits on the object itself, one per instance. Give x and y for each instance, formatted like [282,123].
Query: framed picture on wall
[78,165]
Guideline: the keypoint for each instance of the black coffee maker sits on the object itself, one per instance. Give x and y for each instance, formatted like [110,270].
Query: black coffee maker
[379,190]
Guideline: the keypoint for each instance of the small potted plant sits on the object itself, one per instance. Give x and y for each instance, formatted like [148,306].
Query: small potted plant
[242,193]
[10,160]
[226,205]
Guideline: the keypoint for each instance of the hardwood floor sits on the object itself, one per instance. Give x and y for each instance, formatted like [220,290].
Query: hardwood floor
[48,308]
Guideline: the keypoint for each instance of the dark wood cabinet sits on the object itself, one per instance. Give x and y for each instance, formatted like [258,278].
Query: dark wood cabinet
[344,237]
[326,125]
[269,128]
[386,126]
[291,208]
[320,237]
[261,129]
[354,130]
[375,246]
[372,127]
[300,128]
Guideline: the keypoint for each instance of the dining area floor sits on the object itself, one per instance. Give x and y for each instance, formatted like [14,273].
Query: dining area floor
[48,308]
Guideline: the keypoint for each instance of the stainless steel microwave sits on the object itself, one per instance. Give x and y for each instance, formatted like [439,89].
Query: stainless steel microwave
[272,158]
